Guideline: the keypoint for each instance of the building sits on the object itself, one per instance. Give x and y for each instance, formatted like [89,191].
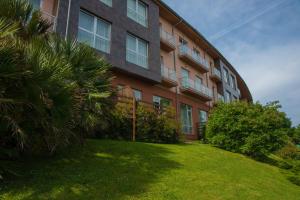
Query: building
[153,51]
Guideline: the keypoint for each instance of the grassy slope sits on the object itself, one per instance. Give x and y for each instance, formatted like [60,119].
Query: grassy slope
[120,170]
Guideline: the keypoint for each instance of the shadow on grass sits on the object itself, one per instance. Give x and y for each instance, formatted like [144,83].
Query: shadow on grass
[101,170]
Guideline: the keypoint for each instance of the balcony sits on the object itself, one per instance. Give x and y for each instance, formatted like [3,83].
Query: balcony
[191,58]
[168,77]
[216,75]
[167,41]
[51,19]
[191,87]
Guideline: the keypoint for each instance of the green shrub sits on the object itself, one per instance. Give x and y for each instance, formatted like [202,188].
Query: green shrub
[290,151]
[251,129]
[153,126]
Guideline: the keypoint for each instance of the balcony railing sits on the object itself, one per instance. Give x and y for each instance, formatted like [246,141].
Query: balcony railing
[168,73]
[168,41]
[50,18]
[216,72]
[185,51]
[196,87]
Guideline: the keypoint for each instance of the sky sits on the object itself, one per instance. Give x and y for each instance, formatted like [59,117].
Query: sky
[260,38]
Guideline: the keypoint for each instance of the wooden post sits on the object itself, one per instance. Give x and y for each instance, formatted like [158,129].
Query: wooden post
[133,119]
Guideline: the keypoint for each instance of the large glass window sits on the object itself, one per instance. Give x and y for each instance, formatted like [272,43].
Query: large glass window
[161,102]
[107,2]
[227,97]
[232,82]
[185,75]
[94,32]
[186,118]
[137,11]
[36,3]
[137,51]
[202,117]
[226,75]
[137,95]
[198,83]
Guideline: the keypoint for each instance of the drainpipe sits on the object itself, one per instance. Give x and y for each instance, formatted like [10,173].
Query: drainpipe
[174,59]
[68,18]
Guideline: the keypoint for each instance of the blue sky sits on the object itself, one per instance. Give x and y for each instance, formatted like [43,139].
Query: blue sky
[261,38]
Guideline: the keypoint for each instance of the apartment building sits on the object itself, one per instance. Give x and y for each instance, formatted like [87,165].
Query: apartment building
[153,51]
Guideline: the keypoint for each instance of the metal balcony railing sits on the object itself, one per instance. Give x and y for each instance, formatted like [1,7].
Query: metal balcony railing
[186,51]
[168,73]
[168,37]
[216,72]
[196,87]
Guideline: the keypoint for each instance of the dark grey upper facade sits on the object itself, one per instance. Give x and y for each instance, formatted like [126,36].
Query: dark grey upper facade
[121,25]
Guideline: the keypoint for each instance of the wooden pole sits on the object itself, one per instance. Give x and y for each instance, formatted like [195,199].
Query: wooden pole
[133,119]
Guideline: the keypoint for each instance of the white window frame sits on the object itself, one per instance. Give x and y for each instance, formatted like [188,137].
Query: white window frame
[135,91]
[136,52]
[40,6]
[189,110]
[94,33]
[137,2]
[107,3]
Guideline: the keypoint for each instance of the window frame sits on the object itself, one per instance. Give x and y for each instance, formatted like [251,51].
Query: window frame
[137,2]
[136,52]
[159,104]
[134,94]
[228,100]
[226,75]
[94,33]
[108,4]
[189,116]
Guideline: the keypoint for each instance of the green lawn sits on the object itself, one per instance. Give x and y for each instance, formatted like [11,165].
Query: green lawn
[121,170]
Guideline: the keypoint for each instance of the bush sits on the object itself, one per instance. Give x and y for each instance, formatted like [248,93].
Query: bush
[290,151]
[153,126]
[251,129]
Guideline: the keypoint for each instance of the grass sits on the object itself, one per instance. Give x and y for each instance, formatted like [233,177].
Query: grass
[113,170]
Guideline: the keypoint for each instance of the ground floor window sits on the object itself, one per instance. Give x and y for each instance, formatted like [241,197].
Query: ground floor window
[137,94]
[161,102]
[186,118]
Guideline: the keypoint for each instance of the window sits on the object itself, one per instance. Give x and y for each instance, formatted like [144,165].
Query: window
[94,32]
[137,51]
[137,95]
[182,41]
[202,117]
[120,90]
[198,83]
[35,3]
[232,82]
[161,102]
[226,75]
[185,74]
[137,11]
[196,53]
[107,2]
[227,97]
[186,118]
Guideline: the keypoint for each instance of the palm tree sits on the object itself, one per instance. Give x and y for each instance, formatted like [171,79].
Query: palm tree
[52,91]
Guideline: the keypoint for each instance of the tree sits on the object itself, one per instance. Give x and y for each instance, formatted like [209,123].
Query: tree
[251,129]
[52,91]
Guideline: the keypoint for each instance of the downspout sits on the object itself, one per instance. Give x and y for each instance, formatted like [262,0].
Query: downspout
[68,18]
[174,59]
